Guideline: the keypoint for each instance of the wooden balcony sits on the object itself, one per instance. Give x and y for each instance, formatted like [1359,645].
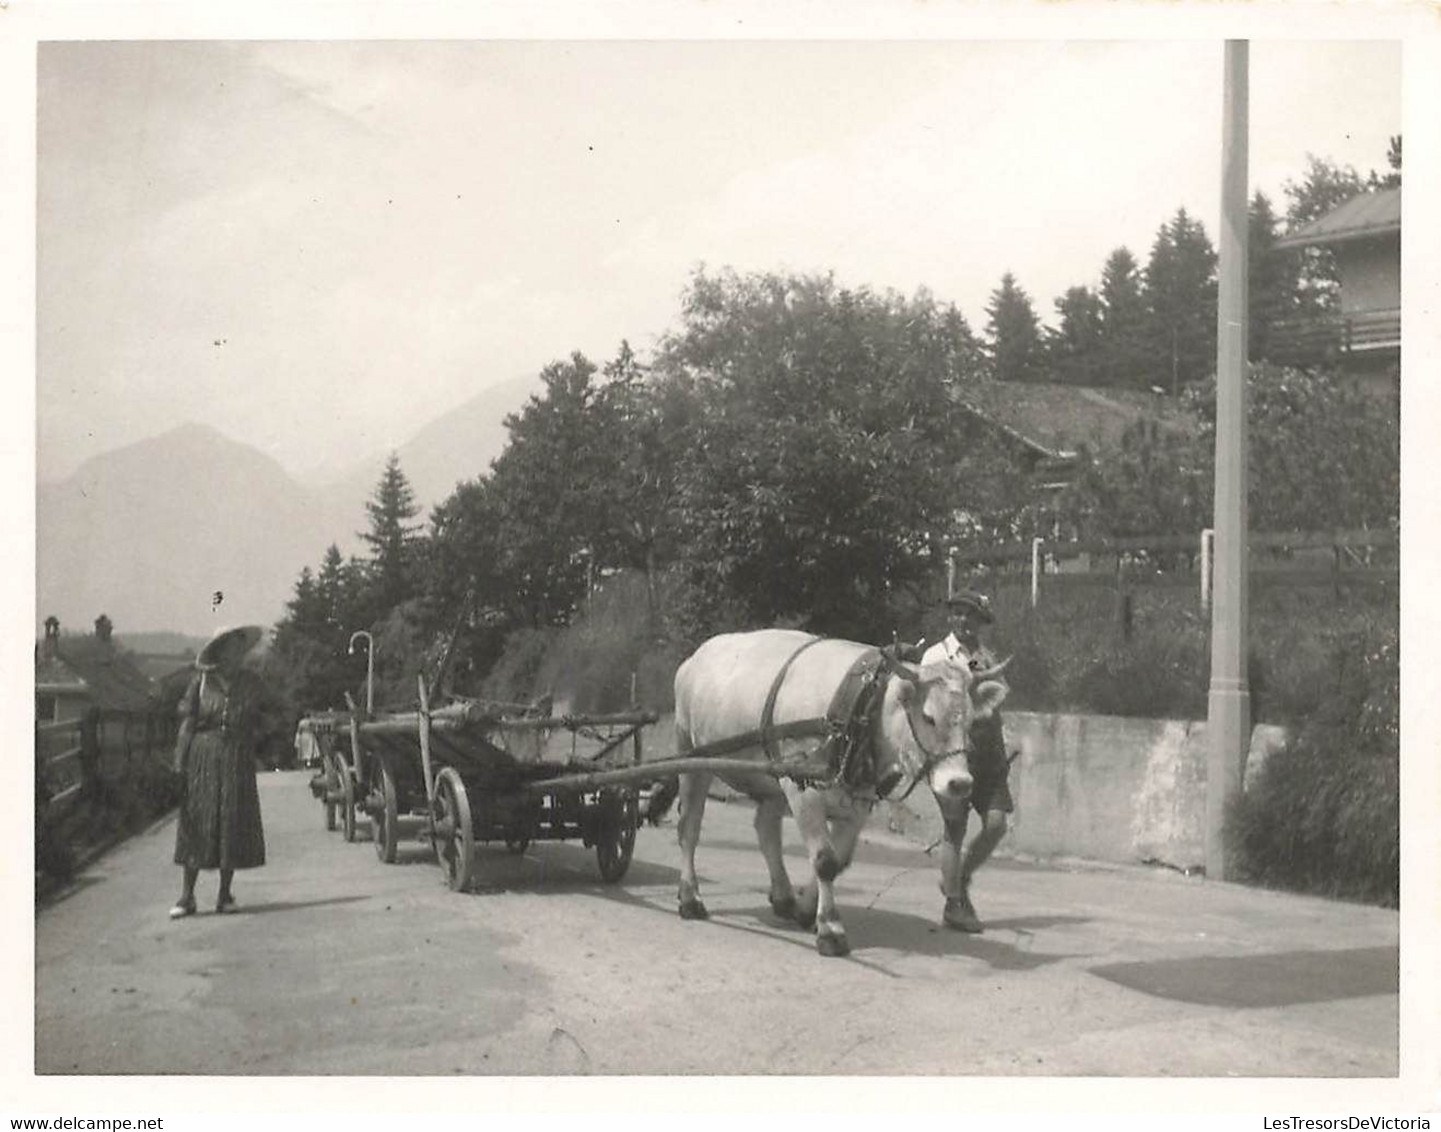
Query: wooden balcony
[1336,339]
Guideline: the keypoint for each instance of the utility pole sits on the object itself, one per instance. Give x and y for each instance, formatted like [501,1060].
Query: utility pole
[1229,702]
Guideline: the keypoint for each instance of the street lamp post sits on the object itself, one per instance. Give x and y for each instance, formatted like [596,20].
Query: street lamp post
[369,667]
[1229,702]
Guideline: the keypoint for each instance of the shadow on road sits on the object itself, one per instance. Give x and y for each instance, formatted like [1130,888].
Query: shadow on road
[293,905]
[47,896]
[1282,978]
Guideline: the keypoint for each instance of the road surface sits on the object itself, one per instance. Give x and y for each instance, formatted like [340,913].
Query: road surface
[338,964]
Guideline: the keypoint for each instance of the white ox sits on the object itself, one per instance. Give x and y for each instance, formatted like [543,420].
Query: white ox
[920,734]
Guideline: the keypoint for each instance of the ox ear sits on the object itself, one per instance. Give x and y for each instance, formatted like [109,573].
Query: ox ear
[987,697]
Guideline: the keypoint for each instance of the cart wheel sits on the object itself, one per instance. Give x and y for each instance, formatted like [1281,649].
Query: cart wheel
[620,815]
[347,802]
[451,833]
[332,783]
[385,821]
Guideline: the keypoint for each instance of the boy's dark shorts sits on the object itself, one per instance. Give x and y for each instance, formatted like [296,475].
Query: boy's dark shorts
[992,790]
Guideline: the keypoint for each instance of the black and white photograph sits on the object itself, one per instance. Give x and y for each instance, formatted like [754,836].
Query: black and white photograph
[725,555]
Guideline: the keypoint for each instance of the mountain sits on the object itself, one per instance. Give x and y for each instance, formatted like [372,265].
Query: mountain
[186,531]
[150,533]
[459,445]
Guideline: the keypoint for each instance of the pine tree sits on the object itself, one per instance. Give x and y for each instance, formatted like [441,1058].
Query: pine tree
[1074,348]
[391,538]
[1015,334]
[1123,320]
[1180,291]
[305,610]
[1271,278]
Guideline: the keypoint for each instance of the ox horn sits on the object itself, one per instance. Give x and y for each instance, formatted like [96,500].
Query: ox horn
[992,672]
[904,671]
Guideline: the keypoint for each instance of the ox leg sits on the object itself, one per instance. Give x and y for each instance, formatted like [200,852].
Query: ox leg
[826,864]
[693,791]
[769,812]
[953,821]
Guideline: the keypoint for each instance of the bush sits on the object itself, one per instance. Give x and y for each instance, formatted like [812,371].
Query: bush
[1324,815]
[515,675]
[1155,676]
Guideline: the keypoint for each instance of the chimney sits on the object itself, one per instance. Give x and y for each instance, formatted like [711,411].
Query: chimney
[50,645]
[103,628]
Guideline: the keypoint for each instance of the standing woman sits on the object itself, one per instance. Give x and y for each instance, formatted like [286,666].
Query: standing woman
[219,826]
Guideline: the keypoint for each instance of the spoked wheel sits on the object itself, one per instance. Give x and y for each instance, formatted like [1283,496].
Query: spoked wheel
[615,841]
[450,829]
[332,785]
[347,797]
[385,821]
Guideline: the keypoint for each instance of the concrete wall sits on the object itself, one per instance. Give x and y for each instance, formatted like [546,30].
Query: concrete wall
[1101,788]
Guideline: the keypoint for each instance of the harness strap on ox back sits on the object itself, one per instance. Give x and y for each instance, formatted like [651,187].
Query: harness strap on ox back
[846,726]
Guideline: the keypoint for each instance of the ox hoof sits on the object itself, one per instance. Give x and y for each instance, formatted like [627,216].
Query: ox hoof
[784,908]
[960,914]
[693,910]
[805,916]
[833,946]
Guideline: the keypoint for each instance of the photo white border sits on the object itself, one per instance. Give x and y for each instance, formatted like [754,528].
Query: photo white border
[23,24]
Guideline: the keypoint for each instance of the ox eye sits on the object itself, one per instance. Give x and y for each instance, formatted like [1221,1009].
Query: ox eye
[929,718]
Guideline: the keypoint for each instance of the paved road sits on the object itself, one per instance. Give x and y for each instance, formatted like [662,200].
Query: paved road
[341,965]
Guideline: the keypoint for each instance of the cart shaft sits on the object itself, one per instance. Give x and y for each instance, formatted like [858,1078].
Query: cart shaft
[662,768]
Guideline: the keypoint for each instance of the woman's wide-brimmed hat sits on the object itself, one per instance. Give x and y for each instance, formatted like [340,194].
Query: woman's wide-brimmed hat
[241,638]
[979,604]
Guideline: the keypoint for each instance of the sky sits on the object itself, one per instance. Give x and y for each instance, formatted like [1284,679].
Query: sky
[319,247]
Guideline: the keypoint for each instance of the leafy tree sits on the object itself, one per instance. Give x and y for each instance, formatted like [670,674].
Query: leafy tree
[392,537]
[1391,180]
[545,487]
[1123,321]
[1155,482]
[1323,454]
[1014,333]
[640,439]
[1074,348]
[1180,291]
[1324,186]
[823,447]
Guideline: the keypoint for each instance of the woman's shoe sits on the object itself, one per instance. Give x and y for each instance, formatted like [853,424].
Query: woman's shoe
[225,903]
[183,907]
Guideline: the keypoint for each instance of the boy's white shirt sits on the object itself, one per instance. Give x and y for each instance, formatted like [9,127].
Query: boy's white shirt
[944,649]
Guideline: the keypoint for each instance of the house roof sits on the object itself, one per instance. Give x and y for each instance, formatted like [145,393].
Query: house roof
[1362,217]
[1056,421]
[88,664]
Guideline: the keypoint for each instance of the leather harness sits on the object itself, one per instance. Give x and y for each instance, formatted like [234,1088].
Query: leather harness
[847,726]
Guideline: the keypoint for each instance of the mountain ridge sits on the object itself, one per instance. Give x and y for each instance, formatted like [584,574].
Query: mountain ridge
[189,530]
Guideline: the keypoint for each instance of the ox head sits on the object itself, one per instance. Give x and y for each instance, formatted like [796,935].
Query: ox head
[935,707]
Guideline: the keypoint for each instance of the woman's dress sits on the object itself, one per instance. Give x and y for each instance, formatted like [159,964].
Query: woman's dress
[219,826]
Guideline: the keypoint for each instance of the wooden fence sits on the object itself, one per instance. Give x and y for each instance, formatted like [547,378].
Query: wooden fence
[75,756]
[1335,558]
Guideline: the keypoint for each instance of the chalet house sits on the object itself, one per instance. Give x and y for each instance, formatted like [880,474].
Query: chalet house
[76,674]
[1364,337]
[1053,427]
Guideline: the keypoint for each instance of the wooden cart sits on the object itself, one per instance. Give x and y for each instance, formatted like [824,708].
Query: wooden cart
[335,783]
[477,771]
